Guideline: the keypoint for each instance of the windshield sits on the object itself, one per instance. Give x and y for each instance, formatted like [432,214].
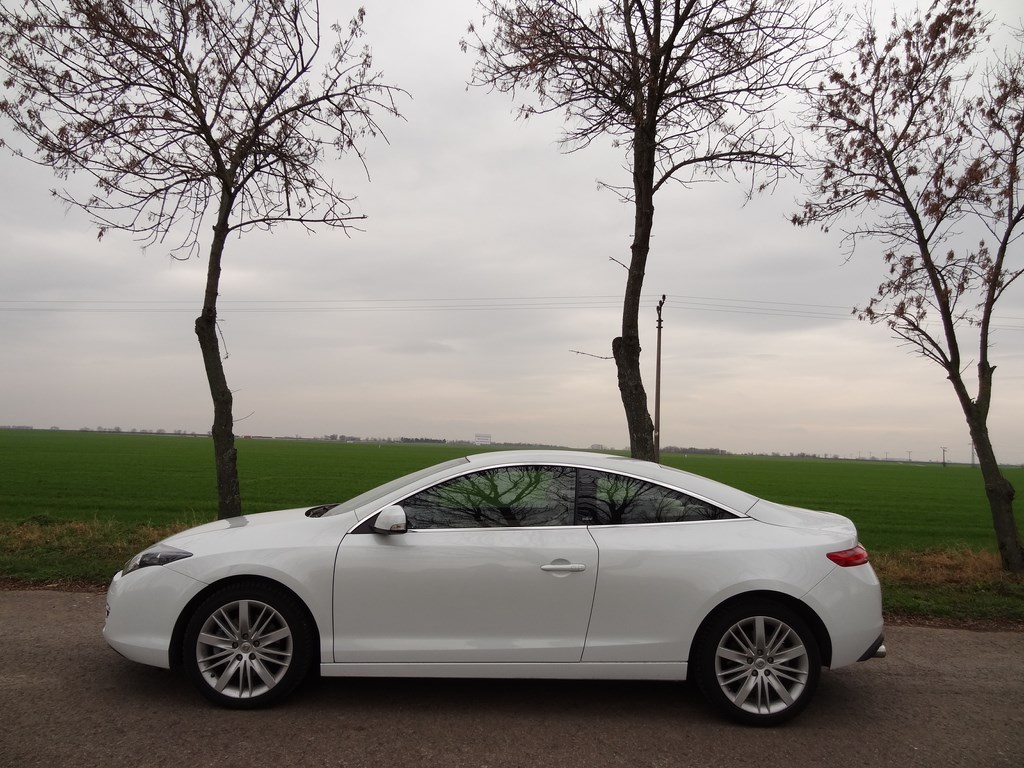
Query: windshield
[393,485]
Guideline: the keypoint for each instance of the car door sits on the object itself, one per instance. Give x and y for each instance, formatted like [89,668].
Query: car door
[491,570]
[664,554]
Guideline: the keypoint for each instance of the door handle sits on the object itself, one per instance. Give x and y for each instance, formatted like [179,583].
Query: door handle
[563,567]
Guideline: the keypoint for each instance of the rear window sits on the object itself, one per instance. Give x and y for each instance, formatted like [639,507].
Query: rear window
[606,498]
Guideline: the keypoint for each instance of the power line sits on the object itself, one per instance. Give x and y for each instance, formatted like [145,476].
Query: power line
[488,303]
[758,307]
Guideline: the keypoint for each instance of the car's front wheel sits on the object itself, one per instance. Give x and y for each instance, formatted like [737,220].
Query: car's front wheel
[248,645]
[759,662]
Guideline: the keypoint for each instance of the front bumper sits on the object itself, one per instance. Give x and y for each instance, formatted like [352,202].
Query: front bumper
[142,610]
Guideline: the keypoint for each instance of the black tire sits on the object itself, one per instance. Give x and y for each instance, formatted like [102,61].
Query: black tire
[758,662]
[248,645]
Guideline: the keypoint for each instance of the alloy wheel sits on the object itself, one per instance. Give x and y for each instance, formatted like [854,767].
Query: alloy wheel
[762,665]
[244,649]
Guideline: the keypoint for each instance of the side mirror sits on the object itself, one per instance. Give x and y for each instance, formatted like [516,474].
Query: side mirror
[391,520]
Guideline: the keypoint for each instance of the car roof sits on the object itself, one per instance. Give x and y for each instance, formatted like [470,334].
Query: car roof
[711,490]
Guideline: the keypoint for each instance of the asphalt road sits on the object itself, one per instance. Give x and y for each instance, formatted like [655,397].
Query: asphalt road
[943,697]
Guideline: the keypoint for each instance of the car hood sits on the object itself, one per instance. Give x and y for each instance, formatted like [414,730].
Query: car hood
[258,520]
[773,513]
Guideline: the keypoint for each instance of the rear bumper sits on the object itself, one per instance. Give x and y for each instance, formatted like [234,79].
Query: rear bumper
[876,651]
[849,603]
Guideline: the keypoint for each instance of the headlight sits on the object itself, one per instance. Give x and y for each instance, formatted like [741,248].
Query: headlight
[158,554]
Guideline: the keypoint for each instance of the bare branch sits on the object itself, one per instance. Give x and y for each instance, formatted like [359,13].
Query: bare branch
[688,89]
[191,113]
[913,153]
[169,106]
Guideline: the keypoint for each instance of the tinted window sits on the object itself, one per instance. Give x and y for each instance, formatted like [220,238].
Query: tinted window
[609,499]
[497,498]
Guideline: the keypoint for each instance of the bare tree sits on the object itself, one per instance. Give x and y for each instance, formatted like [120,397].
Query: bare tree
[687,88]
[920,158]
[192,111]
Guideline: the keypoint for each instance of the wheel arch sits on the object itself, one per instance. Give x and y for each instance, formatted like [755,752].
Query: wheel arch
[801,608]
[178,635]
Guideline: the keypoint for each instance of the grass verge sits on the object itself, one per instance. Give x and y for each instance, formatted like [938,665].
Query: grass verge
[952,587]
[963,587]
[45,551]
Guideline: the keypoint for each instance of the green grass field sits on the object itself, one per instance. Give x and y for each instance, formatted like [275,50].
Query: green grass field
[160,479]
[163,479]
[895,505]
[74,505]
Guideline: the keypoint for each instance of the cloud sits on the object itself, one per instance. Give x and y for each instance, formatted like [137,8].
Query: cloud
[487,258]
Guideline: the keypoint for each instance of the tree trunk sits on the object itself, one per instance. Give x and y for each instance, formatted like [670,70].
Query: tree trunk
[626,348]
[998,489]
[626,351]
[1000,494]
[229,495]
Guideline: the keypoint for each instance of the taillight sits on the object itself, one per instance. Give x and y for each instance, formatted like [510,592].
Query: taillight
[849,557]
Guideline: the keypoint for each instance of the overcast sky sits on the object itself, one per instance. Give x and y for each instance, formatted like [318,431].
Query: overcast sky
[488,257]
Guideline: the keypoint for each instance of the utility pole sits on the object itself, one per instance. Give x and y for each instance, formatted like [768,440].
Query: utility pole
[657,388]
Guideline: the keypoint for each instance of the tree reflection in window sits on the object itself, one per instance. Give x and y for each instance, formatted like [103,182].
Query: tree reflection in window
[506,497]
[609,499]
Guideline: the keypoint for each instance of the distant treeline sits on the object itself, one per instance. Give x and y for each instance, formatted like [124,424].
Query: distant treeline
[697,451]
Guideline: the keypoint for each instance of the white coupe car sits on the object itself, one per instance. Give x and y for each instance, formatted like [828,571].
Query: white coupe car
[530,564]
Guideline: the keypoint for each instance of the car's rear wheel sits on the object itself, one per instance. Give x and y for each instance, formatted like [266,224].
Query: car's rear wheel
[758,662]
[248,645]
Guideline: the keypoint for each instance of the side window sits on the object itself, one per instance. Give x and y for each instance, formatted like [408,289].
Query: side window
[608,499]
[507,497]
